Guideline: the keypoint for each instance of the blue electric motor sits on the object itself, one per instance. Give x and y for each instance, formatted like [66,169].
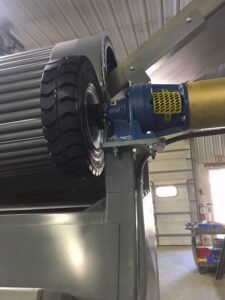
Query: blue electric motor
[149,111]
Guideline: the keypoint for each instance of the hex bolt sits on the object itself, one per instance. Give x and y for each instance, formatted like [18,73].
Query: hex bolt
[115,151]
[188,20]
[183,119]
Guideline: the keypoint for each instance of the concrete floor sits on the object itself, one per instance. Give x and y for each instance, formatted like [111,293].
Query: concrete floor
[180,280]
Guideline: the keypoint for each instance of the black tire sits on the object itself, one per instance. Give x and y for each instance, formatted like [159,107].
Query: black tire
[68,86]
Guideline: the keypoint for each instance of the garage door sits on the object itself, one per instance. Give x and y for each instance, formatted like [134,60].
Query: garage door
[174,198]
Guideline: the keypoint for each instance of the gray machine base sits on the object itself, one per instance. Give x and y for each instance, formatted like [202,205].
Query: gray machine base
[90,255]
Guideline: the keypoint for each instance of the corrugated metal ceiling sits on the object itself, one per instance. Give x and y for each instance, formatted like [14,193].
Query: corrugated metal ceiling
[41,23]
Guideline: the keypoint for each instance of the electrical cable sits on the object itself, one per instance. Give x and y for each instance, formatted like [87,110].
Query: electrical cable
[195,134]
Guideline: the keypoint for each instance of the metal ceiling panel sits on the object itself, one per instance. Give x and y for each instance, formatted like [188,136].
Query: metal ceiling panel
[139,22]
[19,20]
[42,23]
[169,10]
[122,14]
[55,16]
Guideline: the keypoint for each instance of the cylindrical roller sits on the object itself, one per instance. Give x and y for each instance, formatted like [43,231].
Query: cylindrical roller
[28,53]
[20,126]
[20,76]
[22,172]
[27,165]
[20,115]
[20,85]
[23,135]
[22,144]
[22,153]
[19,96]
[32,158]
[19,106]
[22,68]
[206,103]
[25,61]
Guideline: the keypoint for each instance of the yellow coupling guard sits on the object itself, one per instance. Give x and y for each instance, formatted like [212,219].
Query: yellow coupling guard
[167,103]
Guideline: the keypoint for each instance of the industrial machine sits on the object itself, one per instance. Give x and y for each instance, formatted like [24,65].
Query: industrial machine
[60,111]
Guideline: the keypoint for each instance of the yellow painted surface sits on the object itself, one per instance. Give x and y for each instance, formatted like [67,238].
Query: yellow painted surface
[207,103]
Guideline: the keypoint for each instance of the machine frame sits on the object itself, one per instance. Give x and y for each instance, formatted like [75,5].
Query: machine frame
[109,250]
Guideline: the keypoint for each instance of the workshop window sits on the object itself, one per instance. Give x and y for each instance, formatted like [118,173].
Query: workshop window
[166,191]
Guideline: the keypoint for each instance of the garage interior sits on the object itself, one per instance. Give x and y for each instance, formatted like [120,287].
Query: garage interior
[92,177]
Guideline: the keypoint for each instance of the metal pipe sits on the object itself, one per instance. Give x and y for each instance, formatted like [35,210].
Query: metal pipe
[31,170]
[25,53]
[20,95]
[23,56]
[20,126]
[19,105]
[26,61]
[21,69]
[27,165]
[20,86]
[24,172]
[15,161]
[15,136]
[21,76]
[20,115]
[21,153]
[20,145]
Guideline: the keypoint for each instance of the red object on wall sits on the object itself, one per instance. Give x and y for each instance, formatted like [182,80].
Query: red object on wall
[203,252]
[203,212]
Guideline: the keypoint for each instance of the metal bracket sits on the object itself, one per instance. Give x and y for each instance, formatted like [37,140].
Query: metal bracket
[180,30]
[158,142]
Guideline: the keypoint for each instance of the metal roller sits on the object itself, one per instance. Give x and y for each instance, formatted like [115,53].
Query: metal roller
[23,135]
[20,126]
[20,95]
[19,106]
[22,144]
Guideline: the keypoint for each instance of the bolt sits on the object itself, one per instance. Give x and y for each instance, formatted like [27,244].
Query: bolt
[115,151]
[152,150]
[183,119]
[55,93]
[132,68]
[188,20]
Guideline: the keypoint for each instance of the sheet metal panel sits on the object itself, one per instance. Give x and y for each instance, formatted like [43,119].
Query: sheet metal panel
[60,258]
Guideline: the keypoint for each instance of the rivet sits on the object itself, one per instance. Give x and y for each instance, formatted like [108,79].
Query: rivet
[188,20]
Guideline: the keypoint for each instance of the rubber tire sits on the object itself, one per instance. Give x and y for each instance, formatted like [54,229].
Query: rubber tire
[63,89]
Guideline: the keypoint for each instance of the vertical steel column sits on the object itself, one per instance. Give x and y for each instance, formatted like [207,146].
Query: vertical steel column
[121,200]
[138,275]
